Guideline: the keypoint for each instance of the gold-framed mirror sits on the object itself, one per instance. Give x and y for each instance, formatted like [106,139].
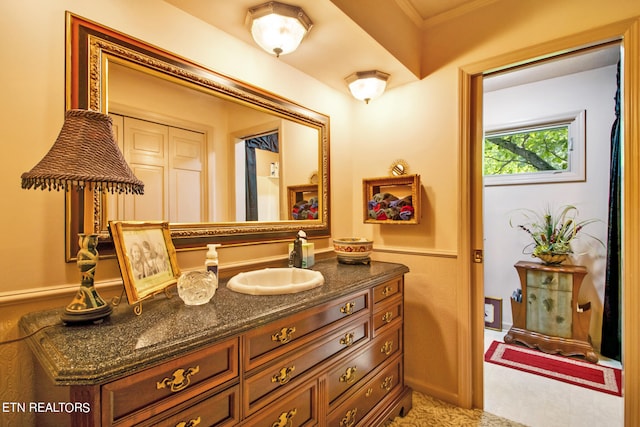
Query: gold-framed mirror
[96,55]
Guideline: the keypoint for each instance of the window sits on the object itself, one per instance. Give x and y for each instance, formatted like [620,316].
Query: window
[537,151]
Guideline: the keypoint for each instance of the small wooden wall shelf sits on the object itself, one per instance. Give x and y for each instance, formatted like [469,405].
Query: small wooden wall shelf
[299,193]
[549,317]
[406,188]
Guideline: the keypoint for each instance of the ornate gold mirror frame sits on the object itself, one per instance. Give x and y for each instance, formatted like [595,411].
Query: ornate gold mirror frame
[90,47]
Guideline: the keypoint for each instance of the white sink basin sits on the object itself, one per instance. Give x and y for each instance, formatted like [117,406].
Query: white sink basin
[275,281]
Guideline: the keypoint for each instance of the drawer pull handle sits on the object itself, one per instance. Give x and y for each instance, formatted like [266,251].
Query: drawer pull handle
[347,340]
[349,375]
[387,384]
[283,376]
[180,380]
[387,317]
[369,392]
[349,418]
[284,336]
[348,308]
[191,423]
[284,420]
[387,290]
[387,348]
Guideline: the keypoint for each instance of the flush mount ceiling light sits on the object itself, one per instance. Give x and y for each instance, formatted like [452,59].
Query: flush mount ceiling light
[367,85]
[278,28]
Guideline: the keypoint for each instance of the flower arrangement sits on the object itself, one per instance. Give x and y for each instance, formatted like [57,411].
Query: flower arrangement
[553,232]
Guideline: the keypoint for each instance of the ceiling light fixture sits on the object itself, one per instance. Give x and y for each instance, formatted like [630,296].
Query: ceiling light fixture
[367,85]
[278,28]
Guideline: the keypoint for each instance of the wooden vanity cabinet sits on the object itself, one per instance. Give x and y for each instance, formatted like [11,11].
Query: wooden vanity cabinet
[339,363]
[359,377]
[136,397]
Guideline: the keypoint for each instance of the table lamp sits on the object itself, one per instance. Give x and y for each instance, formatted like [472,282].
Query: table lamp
[85,157]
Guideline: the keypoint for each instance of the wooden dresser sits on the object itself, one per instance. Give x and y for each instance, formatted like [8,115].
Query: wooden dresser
[331,358]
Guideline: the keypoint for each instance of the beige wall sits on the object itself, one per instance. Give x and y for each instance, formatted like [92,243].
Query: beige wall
[35,275]
[418,123]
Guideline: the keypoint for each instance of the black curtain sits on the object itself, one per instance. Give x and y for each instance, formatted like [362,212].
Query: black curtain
[263,142]
[611,323]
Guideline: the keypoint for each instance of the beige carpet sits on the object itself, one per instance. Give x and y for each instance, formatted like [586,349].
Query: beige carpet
[428,411]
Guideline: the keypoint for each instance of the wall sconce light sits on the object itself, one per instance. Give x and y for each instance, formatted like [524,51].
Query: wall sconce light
[367,85]
[85,157]
[278,28]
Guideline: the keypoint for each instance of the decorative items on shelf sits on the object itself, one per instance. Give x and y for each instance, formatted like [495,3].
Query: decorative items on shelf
[392,200]
[303,201]
[552,232]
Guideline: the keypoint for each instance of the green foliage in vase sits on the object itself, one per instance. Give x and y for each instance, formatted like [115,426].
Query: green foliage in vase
[552,232]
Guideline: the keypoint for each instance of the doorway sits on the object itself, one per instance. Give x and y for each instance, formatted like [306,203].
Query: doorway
[472,269]
[551,123]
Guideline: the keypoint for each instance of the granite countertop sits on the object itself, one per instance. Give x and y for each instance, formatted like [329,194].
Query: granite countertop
[124,343]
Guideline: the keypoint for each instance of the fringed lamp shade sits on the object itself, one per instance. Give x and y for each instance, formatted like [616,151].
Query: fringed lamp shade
[85,154]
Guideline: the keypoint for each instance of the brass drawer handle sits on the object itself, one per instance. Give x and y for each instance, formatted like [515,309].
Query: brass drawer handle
[347,340]
[387,383]
[191,423]
[180,380]
[369,392]
[387,317]
[283,376]
[387,348]
[348,308]
[387,290]
[349,418]
[349,375]
[284,420]
[284,336]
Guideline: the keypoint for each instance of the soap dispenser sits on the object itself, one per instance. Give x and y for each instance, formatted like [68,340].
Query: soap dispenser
[211,262]
[295,250]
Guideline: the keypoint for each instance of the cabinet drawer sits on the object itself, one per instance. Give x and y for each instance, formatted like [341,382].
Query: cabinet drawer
[350,372]
[283,336]
[297,408]
[550,280]
[221,409]
[353,410]
[387,290]
[388,315]
[134,398]
[286,370]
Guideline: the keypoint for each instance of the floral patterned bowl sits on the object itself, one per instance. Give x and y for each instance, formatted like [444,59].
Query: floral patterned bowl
[353,250]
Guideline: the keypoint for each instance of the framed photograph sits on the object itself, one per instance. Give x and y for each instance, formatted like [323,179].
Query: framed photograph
[146,256]
[493,313]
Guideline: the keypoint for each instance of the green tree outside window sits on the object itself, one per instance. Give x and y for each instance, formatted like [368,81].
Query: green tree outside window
[527,151]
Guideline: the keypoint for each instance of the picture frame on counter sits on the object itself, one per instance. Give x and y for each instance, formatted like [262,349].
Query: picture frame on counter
[146,256]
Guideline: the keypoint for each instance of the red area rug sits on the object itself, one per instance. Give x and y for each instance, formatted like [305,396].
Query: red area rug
[569,370]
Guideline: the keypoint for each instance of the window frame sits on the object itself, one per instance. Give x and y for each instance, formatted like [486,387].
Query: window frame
[576,158]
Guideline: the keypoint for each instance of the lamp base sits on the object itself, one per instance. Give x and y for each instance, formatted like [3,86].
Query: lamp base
[92,315]
[87,305]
